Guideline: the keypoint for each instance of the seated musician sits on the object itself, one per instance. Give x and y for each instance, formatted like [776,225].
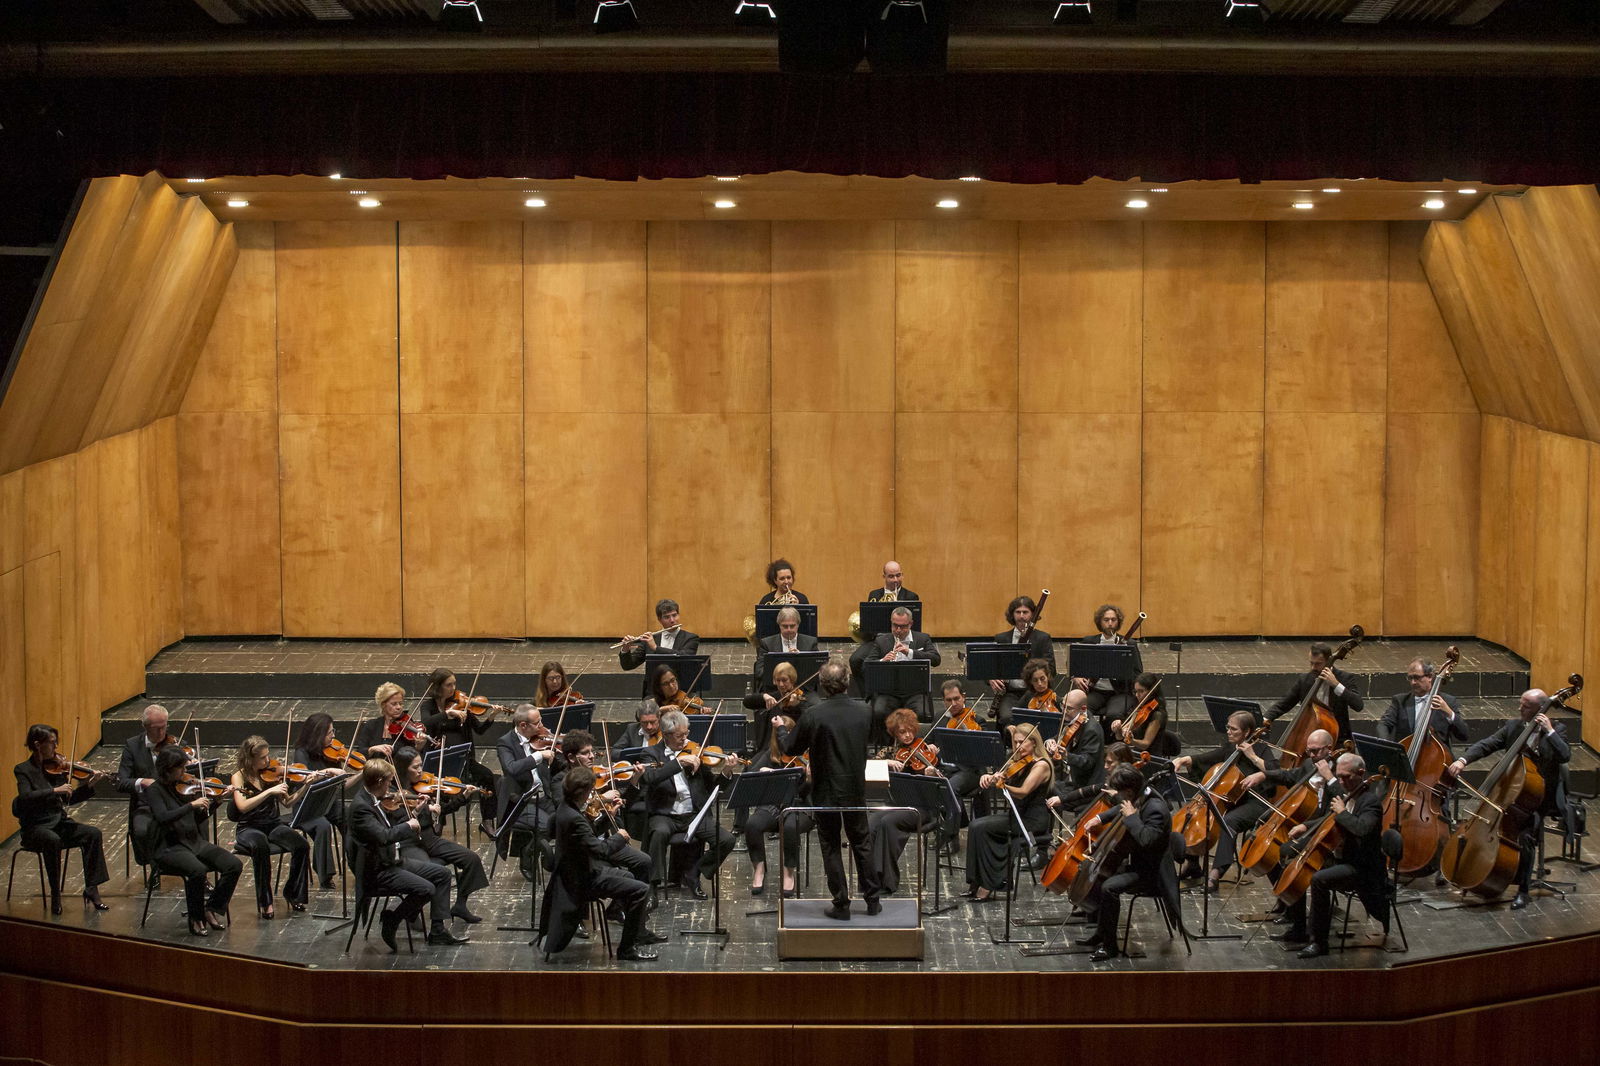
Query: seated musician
[678,640]
[1148,822]
[528,759]
[1344,698]
[45,789]
[1316,767]
[1152,736]
[989,839]
[644,732]
[677,788]
[1109,699]
[664,689]
[137,771]
[554,688]
[393,727]
[964,779]
[780,579]
[255,809]
[1254,758]
[181,848]
[1405,710]
[1020,613]
[902,644]
[1080,764]
[1038,685]
[577,749]
[311,751]
[429,846]
[783,696]
[1549,751]
[376,838]
[892,828]
[760,821]
[1359,862]
[1077,799]
[894,589]
[448,719]
[582,868]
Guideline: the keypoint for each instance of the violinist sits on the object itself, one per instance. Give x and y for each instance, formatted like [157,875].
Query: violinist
[137,771]
[759,821]
[46,786]
[1076,800]
[1027,776]
[671,637]
[892,828]
[643,733]
[577,749]
[1109,699]
[1148,823]
[783,696]
[1021,614]
[668,696]
[964,779]
[1254,759]
[380,870]
[528,759]
[393,727]
[448,718]
[1080,763]
[780,579]
[1152,736]
[1038,685]
[582,869]
[902,644]
[429,846]
[676,788]
[1359,864]
[182,850]
[554,688]
[1405,710]
[1344,699]
[311,750]
[894,587]
[1549,750]
[255,809]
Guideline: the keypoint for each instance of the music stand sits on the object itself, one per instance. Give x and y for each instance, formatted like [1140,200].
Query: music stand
[1114,662]
[981,748]
[1212,813]
[578,714]
[447,762]
[1221,708]
[1047,722]
[988,661]
[713,804]
[1014,871]
[635,755]
[875,616]
[767,788]
[693,671]
[1380,754]
[730,733]
[316,800]
[806,665]
[934,799]
[508,824]
[767,619]
[906,678]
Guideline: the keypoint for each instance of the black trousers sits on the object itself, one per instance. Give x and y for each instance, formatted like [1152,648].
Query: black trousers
[854,824]
[416,882]
[1110,706]
[890,831]
[629,893]
[192,866]
[469,875]
[257,844]
[1237,821]
[320,830]
[763,820]
[1342,877]
[883,706]
[632,862]
[1105,901]
[711,843]
[475,773]
[69,834]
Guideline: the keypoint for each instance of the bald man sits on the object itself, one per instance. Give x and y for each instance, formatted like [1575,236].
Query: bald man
[894,588]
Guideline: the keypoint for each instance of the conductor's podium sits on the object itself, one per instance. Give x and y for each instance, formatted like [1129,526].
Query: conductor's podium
[805,932]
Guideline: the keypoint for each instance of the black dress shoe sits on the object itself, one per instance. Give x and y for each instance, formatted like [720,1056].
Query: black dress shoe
[581,933]
[1519,901]
[197,927]
[1312,951]
[874,907]
[1092,941]
[55,905]
[1101,954]
[691,885]
[442,935]
[1291,936]
[635,953]
[650,936]
[837,913]
[789,893]
[758,890]
[460,911]
[387,924]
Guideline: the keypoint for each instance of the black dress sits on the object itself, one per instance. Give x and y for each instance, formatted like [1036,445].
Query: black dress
[989,838]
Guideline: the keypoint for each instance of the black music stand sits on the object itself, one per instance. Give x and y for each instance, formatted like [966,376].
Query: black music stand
[1014,871]
[988,661]
[1386,755]
[730,734]
[934,800]
[508,824]
[1048,723]
[980,748]
[767,619]
[906,678]
[767,788]
[875,616]
[316,800]
[693,671]
[1212,814]
[1221,708]
[447,762]
[579,714]
[806,665]
[1116,662]
[713,806]
[635,755]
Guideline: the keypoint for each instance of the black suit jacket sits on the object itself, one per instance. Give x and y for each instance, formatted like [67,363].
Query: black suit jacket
[1362,823]
[138,761]
[579,853]
[1149,830]
[661,792]
[1340,703]
[1040,646]
[904,596]
[1084,761]
[834,733]
[1552,753]
[774,643]
[922,647]
[374,840]
[683,643]
[1400,720]
[773,595]
[38,805]
[521,770]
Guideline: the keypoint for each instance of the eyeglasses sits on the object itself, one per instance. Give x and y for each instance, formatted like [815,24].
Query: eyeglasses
[1416,677]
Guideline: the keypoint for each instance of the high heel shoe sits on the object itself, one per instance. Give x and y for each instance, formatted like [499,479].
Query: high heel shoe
[215,920]
[298,908]
[95,902]
[267,913]
[197,927]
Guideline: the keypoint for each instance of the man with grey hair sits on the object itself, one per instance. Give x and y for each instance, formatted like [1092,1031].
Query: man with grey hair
[137,771]
[1358,865]
[676,788]
[903,644]
[788,638]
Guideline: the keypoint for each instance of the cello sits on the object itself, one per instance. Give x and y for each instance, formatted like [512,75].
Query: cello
[1482,856]
[1264,847]
[1314,712]
[1225,787]
[1321,845]
[1421,822]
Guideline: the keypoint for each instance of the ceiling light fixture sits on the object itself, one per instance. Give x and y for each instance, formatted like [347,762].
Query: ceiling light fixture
[947,204]
[238,203]
[1466,192]
[1330,190]
[1433,205]
[1303,205]
[611,16]
[1138,204]
[533,202]
[755,13]
[969,177]
[368,202]
[193,180]
[724,204]
[1073,13]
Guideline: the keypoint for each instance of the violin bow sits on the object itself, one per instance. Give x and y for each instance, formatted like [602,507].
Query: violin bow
[605,737]
[566,697]
[185,729]
[689,691]
[72,752]
[344,767]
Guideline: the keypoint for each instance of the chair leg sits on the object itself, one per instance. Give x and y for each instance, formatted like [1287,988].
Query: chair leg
[13,876]
[150,884]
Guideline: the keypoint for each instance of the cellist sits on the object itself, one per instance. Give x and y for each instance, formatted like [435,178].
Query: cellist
[1148,822]
[1359,864]
[1343,700]
[1549,750]
[1248,811]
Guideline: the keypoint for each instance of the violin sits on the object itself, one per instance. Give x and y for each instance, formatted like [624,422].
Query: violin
[74,771]
[337,752]
[616,773]
[429,784]
[917,756]
[1138,721]
[710,755]
[407,731]
[212,788]
[1044,701]
[786,762]
[188,751]
[685,702]
[297,774]
[395,800]
[477,706]
[566,696]
[964,718]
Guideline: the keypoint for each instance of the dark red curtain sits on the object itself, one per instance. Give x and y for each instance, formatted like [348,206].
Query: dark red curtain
[1020,128]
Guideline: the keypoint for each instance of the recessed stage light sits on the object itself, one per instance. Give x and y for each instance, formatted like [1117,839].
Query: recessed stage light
[335,177]
[1303,205]
[1466,192]
[193,180]
[1433,205]
[724,204]
[970,177]
[238,203]
[533,202]
[1330,190]
[1138,204]
[947,204]
[368,202]
[727,177]
[1162,189]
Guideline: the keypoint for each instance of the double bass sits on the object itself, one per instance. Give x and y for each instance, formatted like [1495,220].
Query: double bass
[1315,712]
[1482,856]
[1423,828]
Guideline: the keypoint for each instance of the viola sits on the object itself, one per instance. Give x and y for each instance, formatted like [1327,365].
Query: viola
[562,698]
[297,773]
[616,773]
[477,706]
[75,771]
[335,751]
[213,788]
[1314,712]
[964,718]
[710,755]
[1139,720]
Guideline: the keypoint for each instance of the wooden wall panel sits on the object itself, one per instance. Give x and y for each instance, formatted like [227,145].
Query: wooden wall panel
[583,317]
[340,517]
[1079,317]
[1424,374]
[1204,293]
[1202,523]
[1521,559]
[163,562]
[122,635]
[710,321]
[1560,584]
[1494,530]
[1442,259]
[46,653]
[955,521]
[232,563]
[708,533]
[1079,520]
[1322,523]
[1327,304]
[194,323]
[336,293]
[13,651]
[237,369]
[1591,642]
[833,492]
[833,317]
[462,532]
[956,316]
[13,521]
[86,565]
[1431,525]
[460,311]
[586,485]
[52,534]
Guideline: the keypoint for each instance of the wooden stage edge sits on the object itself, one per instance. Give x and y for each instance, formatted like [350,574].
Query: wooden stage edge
[116,999]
